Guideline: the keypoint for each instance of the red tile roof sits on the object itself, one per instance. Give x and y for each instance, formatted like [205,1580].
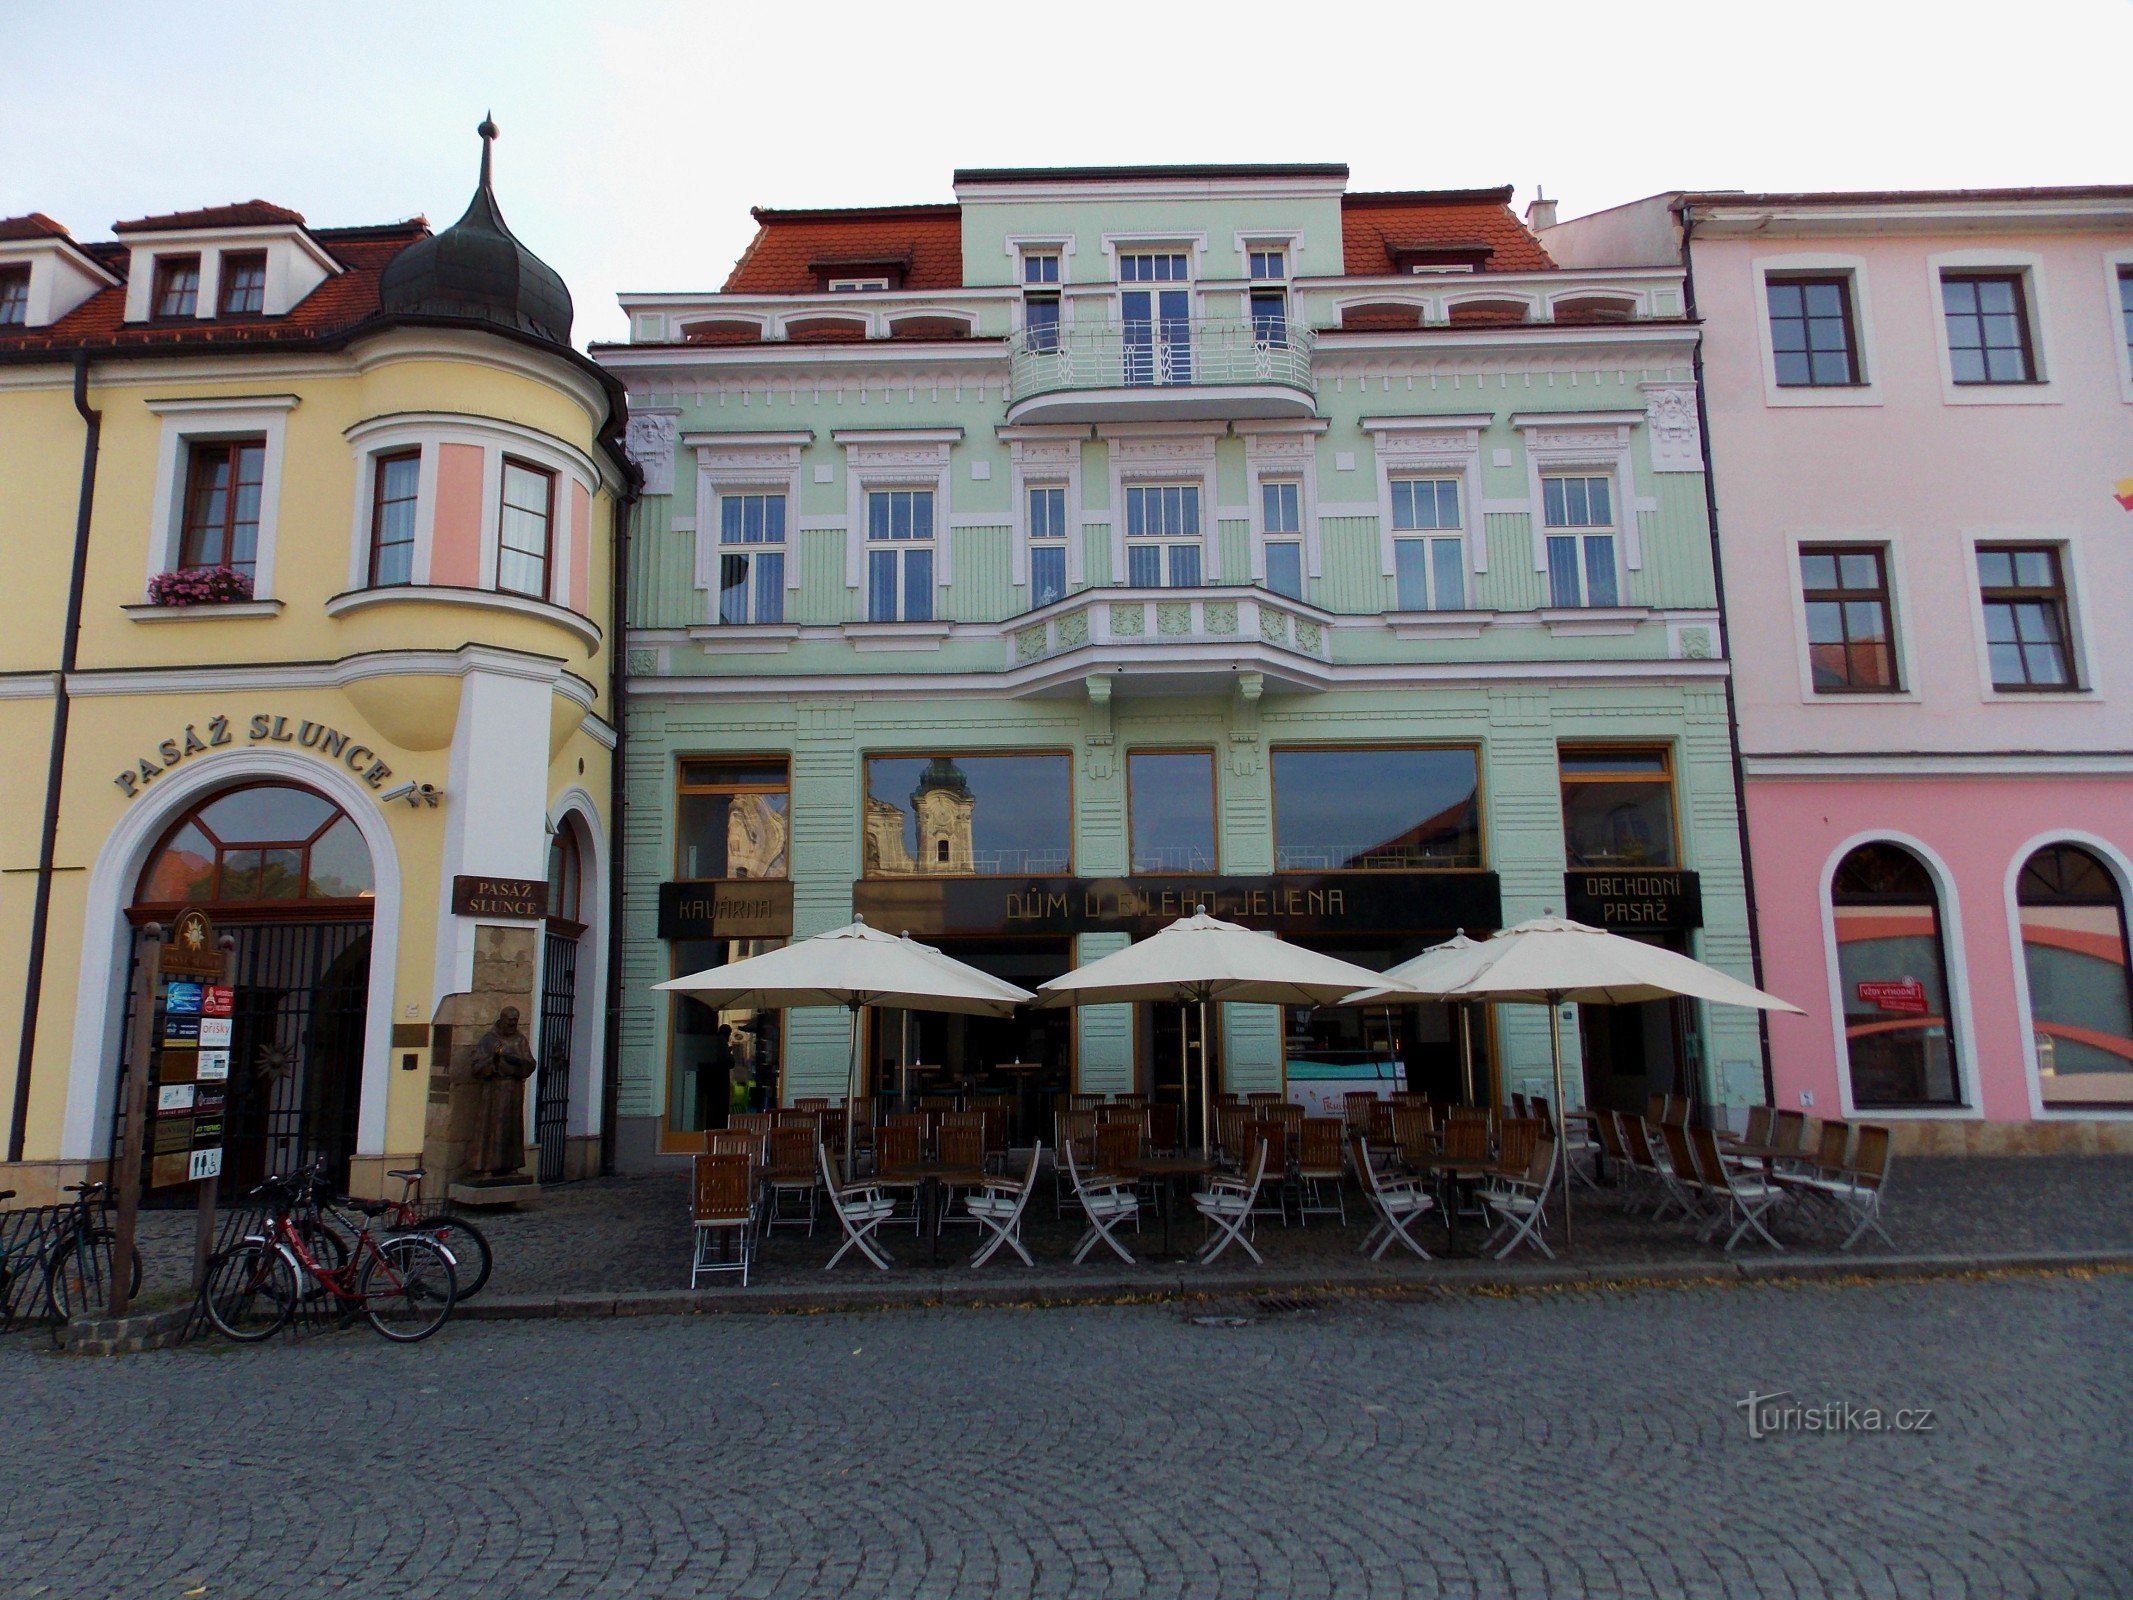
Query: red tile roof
[1375,228]
[789,245]
[237,214]
[36,225]
[335,306]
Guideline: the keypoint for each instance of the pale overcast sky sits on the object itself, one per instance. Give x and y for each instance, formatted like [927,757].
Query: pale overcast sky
[637,135]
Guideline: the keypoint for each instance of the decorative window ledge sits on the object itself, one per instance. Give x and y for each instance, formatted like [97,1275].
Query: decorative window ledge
[208,611]
[1573,622]
[352,600]
[746,638]
[1438,624]
[897,635]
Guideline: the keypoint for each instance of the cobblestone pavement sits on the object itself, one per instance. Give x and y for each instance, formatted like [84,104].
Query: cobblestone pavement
[623,1234]
[1560,1444]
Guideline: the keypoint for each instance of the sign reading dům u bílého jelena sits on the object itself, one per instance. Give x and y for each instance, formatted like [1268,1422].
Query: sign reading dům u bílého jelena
[474,896]
[1288,902]
[1634,899]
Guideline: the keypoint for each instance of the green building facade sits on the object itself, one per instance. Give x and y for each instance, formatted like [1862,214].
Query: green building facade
[1023,572]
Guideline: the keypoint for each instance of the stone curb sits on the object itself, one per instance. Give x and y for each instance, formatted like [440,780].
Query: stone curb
[918,1290]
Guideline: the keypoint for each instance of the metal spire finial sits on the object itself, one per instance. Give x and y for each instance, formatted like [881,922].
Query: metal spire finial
[487,130]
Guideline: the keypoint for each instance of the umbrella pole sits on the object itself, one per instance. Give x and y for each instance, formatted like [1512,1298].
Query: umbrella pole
[851,1094]
[1206,1110]
[1562,1143]
[1466,1047]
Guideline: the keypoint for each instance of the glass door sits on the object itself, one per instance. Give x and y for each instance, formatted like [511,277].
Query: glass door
[1158,319]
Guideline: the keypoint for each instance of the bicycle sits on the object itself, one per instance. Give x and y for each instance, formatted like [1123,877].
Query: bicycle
[403,1284]
[76,1259]
[466,1244]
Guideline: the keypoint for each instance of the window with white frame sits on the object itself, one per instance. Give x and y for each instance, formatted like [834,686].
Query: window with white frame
[1163,535]
[525,548]
[1428,544]
[1155,313]
[1047,543]
[900,555]
[1040,298]
[1269,298]
[1281,514]
[1578,512]
[751,558]
[855,285]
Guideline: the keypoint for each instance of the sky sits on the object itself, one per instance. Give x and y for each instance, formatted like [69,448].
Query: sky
[637,133]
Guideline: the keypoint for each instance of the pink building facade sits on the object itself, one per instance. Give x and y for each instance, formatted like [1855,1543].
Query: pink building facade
[1920,420]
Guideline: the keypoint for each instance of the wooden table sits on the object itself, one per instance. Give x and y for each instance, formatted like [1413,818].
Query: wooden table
[1463,1169]
[1167,1170]
[939,1177]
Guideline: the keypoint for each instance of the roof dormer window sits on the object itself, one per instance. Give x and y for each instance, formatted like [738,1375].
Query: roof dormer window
[855,285]
[177,287]
[244,283]
[14,297]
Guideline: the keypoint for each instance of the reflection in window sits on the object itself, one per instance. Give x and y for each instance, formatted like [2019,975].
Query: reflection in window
[718,1062]
[1618,808]
[730,819]
[1850,634]
[1170,802]
[751,558]
[968,815]
[1894,975]
[2080,984]
[267,842]
[566,876]
[1383,808]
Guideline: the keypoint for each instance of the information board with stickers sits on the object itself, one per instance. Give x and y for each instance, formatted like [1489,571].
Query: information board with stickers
[189,1096]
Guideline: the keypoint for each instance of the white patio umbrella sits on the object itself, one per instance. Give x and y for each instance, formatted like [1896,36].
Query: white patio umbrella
[854,967]
[1199,960]
[1429,973]
[1552,961]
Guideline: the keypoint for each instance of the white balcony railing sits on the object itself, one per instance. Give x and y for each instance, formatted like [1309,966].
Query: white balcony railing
[1196,353]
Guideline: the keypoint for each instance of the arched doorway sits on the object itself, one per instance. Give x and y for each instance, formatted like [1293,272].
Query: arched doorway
[561,944]
[286,872]
[1899,1029]
[2080,985]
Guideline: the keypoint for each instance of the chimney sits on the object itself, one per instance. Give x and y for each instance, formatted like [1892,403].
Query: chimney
[1540,213]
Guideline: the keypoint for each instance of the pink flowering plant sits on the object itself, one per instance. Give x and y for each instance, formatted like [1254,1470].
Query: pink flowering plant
[200,586]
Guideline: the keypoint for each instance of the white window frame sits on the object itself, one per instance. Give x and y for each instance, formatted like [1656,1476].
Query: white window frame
[1284,453]
[744,463]
[1166,542]
[427,432]
[1825,264]
[1433,447]
[1029,545]
[2027,265]
[1428,536]
[1891,544]
[786,547]
[1041,458]
[931,544]
[854,285]
[2067,541]
[1566,443]
[896,458]
[1580,532]
[186,422]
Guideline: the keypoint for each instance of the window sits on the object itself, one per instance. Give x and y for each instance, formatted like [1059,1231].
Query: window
[1893,970]
[1047,544]
[177,286]
[394,485]
[1618,807]
[1040,298]
[264,842]
[1581,563]
[718,1062]
[751,558]
[2025,617]
[1158,321]
[14,296]
[1851,637]
[566,876]
[1163,536]
[1812,335]
[730,819]
[244,284]
[1154,267]
[2080,985]
[1987,317]
[968,816]
[1170,805]
[1429,573]
[1270,302]
[855,285]
[1281,505]
[527,525]
[1383,808]
[900,555]
[2125,307]
[222,489]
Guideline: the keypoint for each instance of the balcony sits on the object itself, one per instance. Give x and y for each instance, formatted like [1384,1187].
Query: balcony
[1170,641]
[1201,369]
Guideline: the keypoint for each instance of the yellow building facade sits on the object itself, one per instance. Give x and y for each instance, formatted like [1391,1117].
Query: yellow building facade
[306,612]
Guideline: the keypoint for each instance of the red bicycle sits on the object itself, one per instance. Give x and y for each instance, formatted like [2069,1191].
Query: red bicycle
[463,1242]
[403,1284]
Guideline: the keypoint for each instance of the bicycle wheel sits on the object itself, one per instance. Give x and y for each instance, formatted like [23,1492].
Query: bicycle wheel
[468,1247]
[250,1292]
[78,1276]
[408,1287]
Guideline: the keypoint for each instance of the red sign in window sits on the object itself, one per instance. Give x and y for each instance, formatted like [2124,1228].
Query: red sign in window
[1901,994]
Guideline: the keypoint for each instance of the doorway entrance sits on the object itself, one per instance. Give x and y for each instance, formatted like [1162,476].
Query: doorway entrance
[1634,1052]
[1167,1051]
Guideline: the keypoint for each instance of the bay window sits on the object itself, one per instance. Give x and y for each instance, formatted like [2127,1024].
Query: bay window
[526,529]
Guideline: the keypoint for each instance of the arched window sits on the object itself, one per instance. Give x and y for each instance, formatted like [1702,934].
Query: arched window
[2080,986]
[265,844]
[566,876]
[1897,1028]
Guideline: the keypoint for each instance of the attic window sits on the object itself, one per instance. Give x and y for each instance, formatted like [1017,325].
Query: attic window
[14,297]
[860,274]
[1432,259]
[244,283]
[855,285]
[177,286]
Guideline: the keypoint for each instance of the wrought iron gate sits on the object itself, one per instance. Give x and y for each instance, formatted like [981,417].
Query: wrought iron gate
[296,1062]
[551,1101]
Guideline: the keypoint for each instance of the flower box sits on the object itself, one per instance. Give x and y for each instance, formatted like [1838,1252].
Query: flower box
[200,586]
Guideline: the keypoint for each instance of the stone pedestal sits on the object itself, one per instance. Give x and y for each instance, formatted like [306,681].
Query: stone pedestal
[493,1195]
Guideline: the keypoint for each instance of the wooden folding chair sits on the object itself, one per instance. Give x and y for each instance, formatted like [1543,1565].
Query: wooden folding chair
[897,1153]
[1520,1204]
[791,1172]
[861,1208]
[1318,1165]
[998,1208]
[724,1207]
[1228,1205]
[1274,1181]
[1747,1195]
[1397,1203]
[1107,1203]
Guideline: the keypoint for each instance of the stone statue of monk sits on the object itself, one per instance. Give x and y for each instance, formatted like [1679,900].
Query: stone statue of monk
[503,1061]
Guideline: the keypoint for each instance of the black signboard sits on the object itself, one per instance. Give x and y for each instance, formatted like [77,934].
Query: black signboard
[1288,903]
[1634,899]
[733,908]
